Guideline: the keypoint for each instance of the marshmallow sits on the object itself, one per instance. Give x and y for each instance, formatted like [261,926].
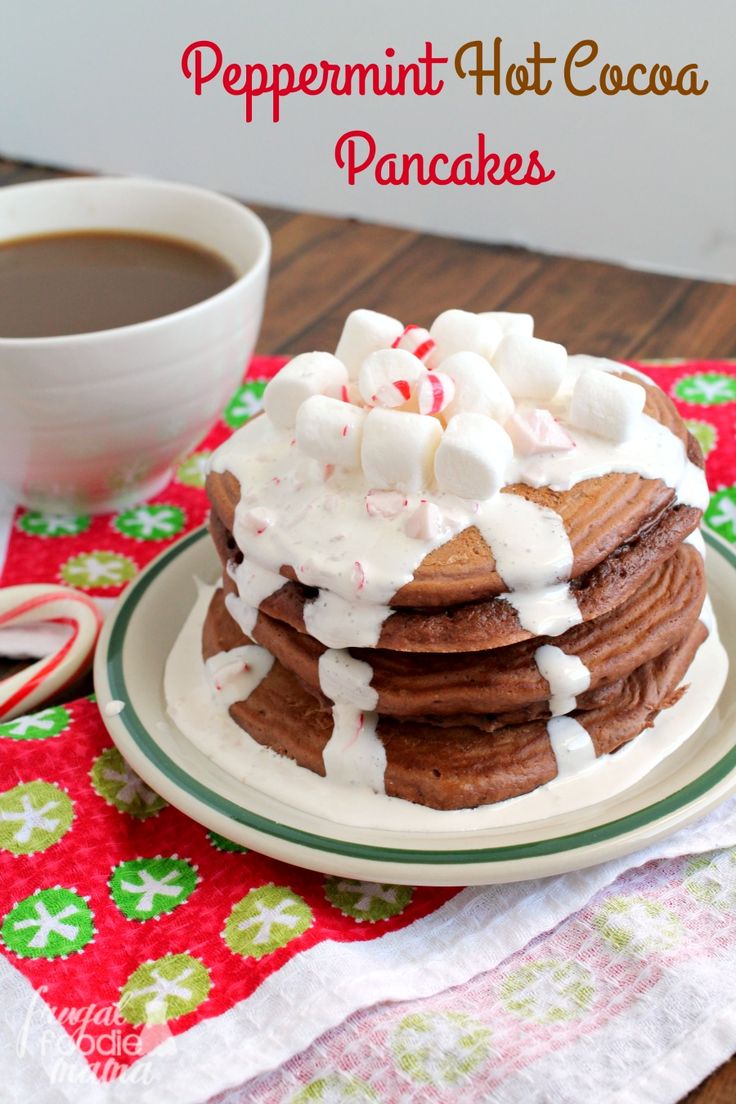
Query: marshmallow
[472,459]
[426,523]
[478,389]
[385,504]
[535,431]
[330,430]
[398,449]
[458,331]
[606,405]
[387,366]
[364,332]
[415,340]
[435,391]
[510,322]
[530,368]
[305,375]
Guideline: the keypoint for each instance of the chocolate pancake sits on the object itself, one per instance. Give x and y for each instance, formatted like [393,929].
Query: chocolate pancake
[493,623]
[600,515]
[657,615]
[459,766]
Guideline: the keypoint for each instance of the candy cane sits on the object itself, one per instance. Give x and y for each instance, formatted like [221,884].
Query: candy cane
[49,605]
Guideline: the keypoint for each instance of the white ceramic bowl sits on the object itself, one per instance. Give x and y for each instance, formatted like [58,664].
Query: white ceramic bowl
[92,422]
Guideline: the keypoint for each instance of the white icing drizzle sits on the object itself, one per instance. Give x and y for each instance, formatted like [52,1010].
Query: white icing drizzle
[572,746]
[255,583]
[566,674]
[339,623]
[347,680]
[654,452]
[354,754]
[234,675]
[692,487]
[534,558]
[244,615]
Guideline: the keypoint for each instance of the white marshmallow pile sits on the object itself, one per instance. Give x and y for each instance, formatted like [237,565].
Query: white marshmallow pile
[446,409]
[306,375]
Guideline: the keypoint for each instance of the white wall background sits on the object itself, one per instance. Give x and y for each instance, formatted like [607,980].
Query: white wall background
[646,181]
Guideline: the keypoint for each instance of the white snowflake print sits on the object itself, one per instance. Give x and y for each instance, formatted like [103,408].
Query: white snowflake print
[548,991]
[637,925]
[150,523]
[164,989]
[267,918]
[440,1048]
[131,787]
[32,819]
[98,569]
[150,887]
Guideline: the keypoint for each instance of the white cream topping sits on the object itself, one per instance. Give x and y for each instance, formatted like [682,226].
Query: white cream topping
[572,746]
[534,558]
[255,583]
[345,679]
[653,452]
[354,755]
[339,623]
[242,614]
[358,561]
[234,675]
[566,674]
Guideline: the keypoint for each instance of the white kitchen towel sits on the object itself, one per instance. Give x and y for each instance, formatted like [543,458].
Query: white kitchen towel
[629,1000]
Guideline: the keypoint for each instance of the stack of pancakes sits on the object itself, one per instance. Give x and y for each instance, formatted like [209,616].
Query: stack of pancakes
[462,706]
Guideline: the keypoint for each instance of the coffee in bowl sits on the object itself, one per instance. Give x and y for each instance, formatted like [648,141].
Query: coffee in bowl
[74,283]
[98,404]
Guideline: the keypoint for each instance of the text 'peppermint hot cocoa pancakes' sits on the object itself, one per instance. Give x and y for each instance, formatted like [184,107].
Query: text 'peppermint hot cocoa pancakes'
[457,562]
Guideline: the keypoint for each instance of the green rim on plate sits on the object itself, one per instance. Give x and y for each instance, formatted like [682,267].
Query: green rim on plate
[225,807]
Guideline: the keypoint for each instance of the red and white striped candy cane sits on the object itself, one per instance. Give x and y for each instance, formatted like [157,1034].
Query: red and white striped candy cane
[38,604]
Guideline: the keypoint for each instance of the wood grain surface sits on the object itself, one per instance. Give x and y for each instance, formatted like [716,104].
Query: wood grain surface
[324,267]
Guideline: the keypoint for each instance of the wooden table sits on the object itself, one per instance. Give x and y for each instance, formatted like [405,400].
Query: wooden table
[324,267]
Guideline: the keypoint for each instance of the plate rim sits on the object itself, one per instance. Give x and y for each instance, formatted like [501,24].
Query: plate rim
[109,668]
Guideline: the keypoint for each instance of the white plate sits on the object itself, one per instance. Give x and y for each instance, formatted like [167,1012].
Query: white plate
[129,667]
